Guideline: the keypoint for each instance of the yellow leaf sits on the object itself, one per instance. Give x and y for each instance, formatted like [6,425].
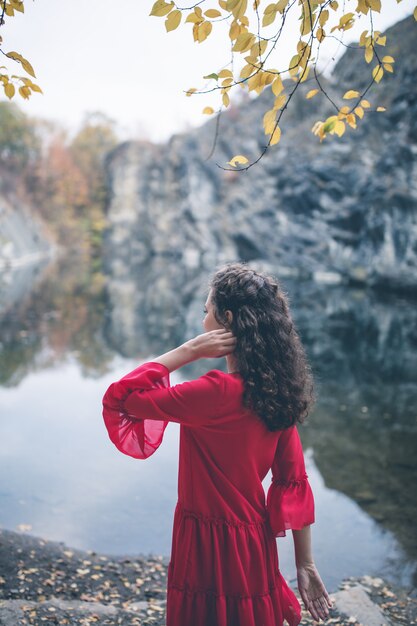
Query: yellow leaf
[225,74]
[381,40]
[246,71]
[212,13]
[194,18]
[280,101]
[369,54]
[380,108]
[293,65]
[14,55]
[18,6]
[345,19]
[239,159]
[312,93]
[375,5]
[388,59]
[190,91]
[227,81]
[231,4]
[269,121]
[222,4]
[271,8]
[320,34]
[9,90]
[240,9]
[362,39]
[275,137]
[269,18]
[24,92]
[281,5]
[226,99]
[351,94]
[415,14]
[253,60]
[254,81]
[339,128]
[35,87]
[306,26]
[204,30]
[27,67]
[324,16]
[377,73]
[234,30]
[365,104]
[388,67]
[243,42]
[259,48]
[351,119]
[173,20]
[161,8]
[277,86]
[359,112]
[208,110]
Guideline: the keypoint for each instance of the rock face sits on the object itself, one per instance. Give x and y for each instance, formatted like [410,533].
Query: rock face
[343,210]
[25,249]
[23,239]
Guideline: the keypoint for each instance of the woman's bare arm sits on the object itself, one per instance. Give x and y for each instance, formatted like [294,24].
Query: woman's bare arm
[311,587]
[212,344]
[302,546]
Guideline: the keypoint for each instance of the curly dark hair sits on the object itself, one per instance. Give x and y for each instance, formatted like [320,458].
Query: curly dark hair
[278,383]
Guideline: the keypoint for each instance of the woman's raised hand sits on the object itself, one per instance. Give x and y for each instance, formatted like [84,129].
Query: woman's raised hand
[213,344]
[313,592]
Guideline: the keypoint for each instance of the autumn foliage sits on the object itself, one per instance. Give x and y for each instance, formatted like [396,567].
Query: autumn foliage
[254,32]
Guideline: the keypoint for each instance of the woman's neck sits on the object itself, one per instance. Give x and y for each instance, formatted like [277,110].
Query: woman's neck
[231,363]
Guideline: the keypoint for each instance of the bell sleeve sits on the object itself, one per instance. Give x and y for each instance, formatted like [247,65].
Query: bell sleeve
[138,407]
[138,438]
[290,500]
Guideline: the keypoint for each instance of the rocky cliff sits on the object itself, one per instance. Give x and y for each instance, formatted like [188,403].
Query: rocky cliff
[26,245]
[340,211]
[23,237]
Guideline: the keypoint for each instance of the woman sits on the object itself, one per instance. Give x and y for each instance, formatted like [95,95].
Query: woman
[235,426]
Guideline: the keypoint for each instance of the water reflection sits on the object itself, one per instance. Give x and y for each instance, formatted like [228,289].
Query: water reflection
[76,331]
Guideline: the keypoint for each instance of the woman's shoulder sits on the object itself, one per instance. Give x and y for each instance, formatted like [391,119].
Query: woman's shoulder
[225,375]
[229,382]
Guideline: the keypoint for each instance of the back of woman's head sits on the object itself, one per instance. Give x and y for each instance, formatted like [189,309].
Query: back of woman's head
[278,385]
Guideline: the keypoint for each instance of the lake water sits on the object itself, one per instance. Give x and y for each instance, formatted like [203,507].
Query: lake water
[65,337]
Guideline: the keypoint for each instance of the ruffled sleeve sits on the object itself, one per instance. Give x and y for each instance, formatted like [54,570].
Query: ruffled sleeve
[136,437]
[138,407]
[290,500]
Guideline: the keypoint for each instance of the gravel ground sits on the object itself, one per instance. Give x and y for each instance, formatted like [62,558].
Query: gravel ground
[46,583]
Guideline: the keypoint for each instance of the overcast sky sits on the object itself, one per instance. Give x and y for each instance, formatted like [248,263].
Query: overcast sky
[113,57]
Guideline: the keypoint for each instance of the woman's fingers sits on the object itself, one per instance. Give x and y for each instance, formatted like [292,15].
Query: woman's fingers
[328,599]
[316,606]
[323,607]
[313,610]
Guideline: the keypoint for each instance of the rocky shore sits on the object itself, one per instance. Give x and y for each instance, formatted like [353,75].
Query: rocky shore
[45,582]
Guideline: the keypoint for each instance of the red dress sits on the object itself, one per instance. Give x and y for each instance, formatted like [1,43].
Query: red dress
[224,568]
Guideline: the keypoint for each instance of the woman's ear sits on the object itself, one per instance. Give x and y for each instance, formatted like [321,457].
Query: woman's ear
[229,317]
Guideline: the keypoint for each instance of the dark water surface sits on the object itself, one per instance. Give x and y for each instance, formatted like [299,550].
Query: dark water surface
[68,332]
